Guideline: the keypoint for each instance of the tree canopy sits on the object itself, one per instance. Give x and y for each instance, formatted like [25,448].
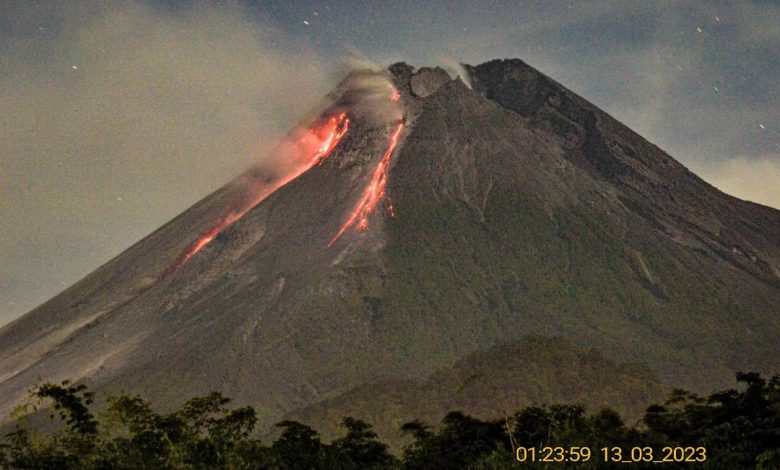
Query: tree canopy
[730,429]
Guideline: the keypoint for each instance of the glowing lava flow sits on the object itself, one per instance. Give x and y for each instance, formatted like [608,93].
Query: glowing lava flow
[395,96]
[308,150]
[374,192]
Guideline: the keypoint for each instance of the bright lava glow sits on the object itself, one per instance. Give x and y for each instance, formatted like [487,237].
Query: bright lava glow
[309,149]
[394,95]
[374,192]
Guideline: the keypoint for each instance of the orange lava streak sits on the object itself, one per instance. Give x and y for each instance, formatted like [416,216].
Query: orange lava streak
[394,95]
[374,192]
[308,150]
[334,130]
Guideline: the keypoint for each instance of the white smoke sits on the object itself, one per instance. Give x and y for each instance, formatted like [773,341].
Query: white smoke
[455,69]
[372,87]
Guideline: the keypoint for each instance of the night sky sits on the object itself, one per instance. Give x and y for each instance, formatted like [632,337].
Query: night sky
[116,116]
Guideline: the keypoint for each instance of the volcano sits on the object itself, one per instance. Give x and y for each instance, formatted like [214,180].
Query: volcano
[426,221]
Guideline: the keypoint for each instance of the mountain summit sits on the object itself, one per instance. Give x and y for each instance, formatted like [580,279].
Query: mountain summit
[416,221]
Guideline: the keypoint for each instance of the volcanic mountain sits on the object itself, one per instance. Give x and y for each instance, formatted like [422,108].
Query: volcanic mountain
[425,221]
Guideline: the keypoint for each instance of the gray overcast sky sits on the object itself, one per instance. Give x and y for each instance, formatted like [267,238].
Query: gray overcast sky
[116,116]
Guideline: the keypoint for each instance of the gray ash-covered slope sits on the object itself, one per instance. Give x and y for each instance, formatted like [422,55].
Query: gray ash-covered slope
[520,209]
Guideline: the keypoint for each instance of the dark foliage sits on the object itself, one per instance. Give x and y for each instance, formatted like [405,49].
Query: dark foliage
[738,429]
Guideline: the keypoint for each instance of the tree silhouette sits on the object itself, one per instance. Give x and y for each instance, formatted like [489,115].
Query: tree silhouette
[738,429]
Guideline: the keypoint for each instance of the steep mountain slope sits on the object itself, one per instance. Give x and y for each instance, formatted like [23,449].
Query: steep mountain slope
[512,209]
[521,227]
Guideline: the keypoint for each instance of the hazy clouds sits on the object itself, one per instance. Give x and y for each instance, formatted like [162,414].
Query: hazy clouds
[115,117]
[754,179]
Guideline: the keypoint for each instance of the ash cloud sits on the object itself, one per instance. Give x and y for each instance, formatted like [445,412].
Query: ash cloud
[367,88]
[369,98]
[456,70]
[117,116]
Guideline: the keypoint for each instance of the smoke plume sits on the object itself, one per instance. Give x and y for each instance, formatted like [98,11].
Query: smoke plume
[455,69]
[121,112]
